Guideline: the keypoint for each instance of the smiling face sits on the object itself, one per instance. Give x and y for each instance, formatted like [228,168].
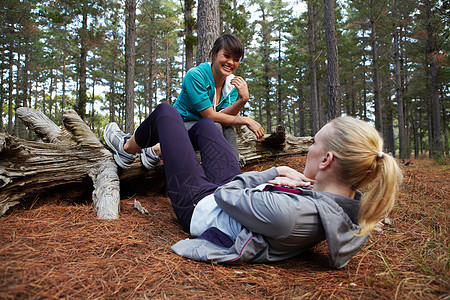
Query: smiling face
[316,152]
[224,63]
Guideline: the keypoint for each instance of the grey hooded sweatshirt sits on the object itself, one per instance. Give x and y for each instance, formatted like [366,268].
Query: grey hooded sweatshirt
[277,224]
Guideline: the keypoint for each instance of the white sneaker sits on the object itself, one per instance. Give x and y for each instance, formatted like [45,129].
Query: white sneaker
[115,139]
[149,159]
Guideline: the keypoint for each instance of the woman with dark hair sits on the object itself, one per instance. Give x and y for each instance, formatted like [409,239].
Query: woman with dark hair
[210,90]
[274,214]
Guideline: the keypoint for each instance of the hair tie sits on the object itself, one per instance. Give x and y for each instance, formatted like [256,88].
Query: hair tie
[380,155]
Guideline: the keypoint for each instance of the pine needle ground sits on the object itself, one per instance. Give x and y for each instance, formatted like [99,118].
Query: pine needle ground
[56,249]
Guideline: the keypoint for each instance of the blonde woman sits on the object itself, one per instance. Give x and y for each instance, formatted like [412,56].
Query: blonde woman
[278,213]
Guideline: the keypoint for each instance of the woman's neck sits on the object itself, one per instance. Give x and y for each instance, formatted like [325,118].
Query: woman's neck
[219,79]
[333,186]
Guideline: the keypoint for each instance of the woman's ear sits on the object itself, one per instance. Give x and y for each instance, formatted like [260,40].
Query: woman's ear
[326,161]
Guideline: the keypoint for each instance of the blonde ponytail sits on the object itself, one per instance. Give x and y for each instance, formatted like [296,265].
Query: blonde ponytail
[358,147]
[380,198]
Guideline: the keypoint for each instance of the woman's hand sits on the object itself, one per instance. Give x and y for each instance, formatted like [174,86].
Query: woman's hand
[290,177]
[255,127]
[242,87]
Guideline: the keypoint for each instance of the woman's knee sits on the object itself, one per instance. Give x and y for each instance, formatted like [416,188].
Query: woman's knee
[206,124]
[166,110]
[206,127]
[165,107]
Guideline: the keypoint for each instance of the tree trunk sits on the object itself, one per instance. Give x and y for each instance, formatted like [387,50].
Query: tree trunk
[279,100]
[376,82]
[415,133]
[312,69]
[432,62]
[25,86]
[444,125]
[353,90]
[208,26]
[10,86]
[301,110]
[266,68]
[428,108]
[92,106]
[260,114]
[364,82]
[50,94]
[293,122]
[168,75]
[389,127]
[150,78]
[2,57]
[82,92]
[17,99]
[64,101]
[130,54]
[399,91]
[334,88]
[112,91]
[189,39]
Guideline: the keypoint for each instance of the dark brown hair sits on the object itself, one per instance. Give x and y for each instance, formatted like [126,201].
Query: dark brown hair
[230,43]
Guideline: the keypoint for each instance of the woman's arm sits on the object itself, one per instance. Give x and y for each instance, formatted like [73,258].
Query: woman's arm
[234,108]
[264,212]
[229,120]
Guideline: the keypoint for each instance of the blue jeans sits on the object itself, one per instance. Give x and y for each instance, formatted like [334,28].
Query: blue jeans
[188,181]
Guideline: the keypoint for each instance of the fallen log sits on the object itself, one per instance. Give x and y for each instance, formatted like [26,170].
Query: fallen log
[74,156]
[28,167]
[275,144]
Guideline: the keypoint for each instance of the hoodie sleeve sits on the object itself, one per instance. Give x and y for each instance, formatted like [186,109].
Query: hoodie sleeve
[268,213]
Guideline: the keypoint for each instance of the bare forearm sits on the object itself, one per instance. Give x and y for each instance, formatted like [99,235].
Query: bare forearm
[235,108]
[226,119]
[230,120]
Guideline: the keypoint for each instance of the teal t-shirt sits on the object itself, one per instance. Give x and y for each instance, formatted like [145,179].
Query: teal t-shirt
[198,92]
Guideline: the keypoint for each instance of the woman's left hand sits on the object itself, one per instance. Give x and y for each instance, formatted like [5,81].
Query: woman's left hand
[242,87]
[285,181]
[290,177]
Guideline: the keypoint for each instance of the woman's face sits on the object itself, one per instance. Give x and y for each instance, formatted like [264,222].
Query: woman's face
[316,152]
[224,63]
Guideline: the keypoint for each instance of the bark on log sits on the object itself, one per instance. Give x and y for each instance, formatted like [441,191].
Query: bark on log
[44,128]
[275,144]
[74,154]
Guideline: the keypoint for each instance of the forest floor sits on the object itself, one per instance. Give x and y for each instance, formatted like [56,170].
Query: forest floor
[55,249]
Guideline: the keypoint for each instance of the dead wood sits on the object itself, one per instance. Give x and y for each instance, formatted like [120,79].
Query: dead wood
[275,144]
[28,167]
[74,155]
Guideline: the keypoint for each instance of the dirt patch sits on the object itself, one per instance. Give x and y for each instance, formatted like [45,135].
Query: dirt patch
[55,249]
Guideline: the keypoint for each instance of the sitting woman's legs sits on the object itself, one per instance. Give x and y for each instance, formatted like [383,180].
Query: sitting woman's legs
[230,136]
[227,131]
[218,159]
[186,179]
